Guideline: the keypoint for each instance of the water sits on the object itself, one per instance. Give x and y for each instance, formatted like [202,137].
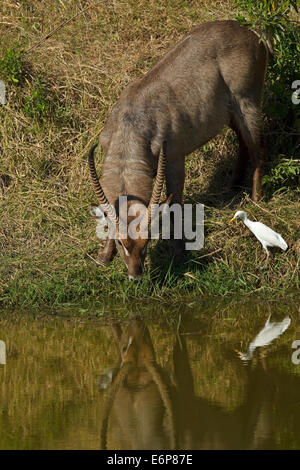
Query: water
[194,376]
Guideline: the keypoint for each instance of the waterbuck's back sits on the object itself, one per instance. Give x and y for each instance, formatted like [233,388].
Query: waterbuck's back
[188,96]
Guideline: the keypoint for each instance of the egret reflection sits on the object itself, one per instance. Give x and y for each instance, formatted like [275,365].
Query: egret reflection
[266,336]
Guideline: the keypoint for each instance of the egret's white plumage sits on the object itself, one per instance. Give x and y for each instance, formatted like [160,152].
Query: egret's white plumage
[2,352]
[270,331]
[266,236]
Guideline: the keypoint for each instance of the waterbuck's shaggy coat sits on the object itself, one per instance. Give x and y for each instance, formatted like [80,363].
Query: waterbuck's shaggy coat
[211,79]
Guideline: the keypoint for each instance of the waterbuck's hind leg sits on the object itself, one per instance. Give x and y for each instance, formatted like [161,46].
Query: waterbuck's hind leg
[248,122]
[242,161]
[257,160]
[108,253]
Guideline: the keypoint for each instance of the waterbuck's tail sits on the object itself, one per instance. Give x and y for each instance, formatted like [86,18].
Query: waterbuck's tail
[266,38]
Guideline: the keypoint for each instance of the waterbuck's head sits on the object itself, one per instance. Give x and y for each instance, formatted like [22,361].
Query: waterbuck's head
[127,217]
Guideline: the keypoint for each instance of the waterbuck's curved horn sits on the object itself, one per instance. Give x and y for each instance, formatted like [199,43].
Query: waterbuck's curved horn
[98,189]
[159,181]
[108,404]
[166,399]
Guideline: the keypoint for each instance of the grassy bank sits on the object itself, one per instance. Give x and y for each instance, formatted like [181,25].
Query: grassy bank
[58,97]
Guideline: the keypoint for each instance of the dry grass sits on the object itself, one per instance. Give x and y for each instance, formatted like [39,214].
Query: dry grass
[77,74]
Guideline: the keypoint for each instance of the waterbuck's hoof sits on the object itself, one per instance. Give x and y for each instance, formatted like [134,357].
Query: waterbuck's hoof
[135,278]
[103,260]
[264,268]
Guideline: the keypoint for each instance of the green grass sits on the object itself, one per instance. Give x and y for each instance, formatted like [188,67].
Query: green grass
[52,264]
[59,95]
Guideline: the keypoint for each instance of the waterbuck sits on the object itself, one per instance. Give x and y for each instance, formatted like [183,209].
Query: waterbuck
[211,79]
[149,405]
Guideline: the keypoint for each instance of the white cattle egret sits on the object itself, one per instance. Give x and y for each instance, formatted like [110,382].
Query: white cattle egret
[269,332]
[2,353]
[264,234]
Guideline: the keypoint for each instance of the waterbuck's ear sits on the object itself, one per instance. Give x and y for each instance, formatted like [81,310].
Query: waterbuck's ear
[126,347]
[96,211]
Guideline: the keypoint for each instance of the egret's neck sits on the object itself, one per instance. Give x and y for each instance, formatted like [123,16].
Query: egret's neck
[251,350]
[247,222]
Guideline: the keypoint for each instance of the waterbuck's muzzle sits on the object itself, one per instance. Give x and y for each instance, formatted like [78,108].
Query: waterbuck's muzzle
[136,265]
[135,270]
[135,278]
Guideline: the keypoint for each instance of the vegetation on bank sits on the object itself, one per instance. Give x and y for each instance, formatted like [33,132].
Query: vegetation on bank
[59,94]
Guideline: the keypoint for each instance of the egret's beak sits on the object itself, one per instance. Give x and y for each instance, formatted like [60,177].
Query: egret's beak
[238,352]
[231,220]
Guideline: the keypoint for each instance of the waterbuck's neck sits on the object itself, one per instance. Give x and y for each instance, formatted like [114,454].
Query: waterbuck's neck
[130,175]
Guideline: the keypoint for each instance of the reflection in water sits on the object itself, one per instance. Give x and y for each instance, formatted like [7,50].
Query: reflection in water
[172,382]
[270,331]
[139,402]
[2,352]
[151,410]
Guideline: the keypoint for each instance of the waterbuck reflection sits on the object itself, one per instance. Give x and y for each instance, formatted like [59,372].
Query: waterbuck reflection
[139,402]
[148,407]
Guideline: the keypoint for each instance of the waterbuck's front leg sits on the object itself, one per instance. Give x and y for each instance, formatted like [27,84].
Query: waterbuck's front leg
[108,253]
[175,173]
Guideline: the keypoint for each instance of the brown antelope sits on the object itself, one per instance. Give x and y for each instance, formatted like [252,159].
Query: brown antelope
[211,79]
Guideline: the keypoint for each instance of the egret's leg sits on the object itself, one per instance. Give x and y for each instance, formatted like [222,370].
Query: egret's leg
[265,266]
[268,254]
